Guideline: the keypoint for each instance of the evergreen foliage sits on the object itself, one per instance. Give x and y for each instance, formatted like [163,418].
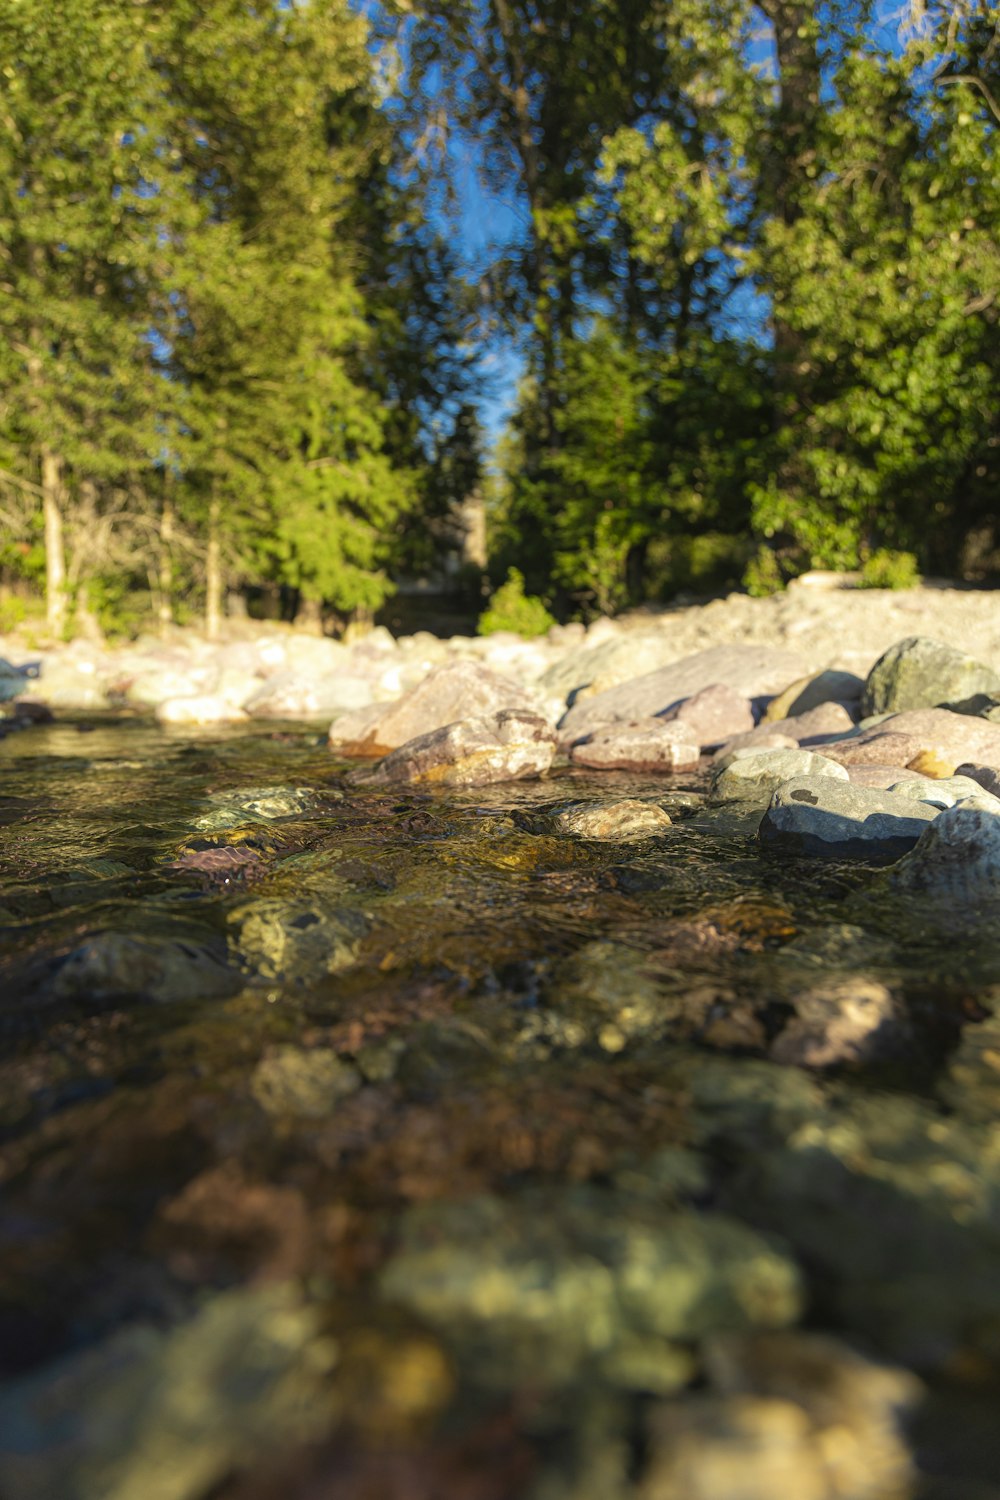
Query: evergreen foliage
[756,295]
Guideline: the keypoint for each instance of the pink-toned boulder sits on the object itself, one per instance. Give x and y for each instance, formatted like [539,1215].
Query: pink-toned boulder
[456,690]
[712,716]
[753,671]
[932,740]
[881,778]
[509,746]
[817,726]
[648,745]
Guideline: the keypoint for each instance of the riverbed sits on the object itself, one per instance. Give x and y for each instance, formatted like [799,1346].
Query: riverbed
[365,1142]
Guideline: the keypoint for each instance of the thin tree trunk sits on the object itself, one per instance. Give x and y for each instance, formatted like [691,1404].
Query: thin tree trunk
[165,572]
[53,494]
[213,573]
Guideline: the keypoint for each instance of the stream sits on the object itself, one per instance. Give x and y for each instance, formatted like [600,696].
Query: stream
[367,1145]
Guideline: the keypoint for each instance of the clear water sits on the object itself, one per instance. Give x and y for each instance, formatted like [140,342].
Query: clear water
[377,1116]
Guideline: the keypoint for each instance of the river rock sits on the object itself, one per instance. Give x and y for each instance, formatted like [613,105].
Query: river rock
[207,708]
[291,697]
[979,706]
[921,673]
[116,965]
[295,940]
[815,815]
[836,1021]
[815,726]
[753,776]
[303,1082]
[506,746]
[712,716]
[811,692]
[881,778]
[628,819]
[942,793]
[752,670]
[456,690]
[793,1417]
[69,683]
[958,857]
[171,1413]
[932,740]
[16,679]
[986,777]
[593,668]
[648,745]
[550,1284]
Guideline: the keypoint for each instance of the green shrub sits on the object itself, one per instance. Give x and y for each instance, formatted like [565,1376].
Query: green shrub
[886,569]
[762,575]
[512,609]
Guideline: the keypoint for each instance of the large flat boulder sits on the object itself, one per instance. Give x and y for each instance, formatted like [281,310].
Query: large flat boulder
[754,671]
[450,692]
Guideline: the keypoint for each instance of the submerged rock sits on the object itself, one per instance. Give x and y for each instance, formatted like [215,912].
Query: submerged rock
[754,776]
[796,1417]
[543,1282]
[296,1081]
[169,1415]
[297,940]
[921,673]
[649,745]
[453,691]
[628,819]
[260,804]
[815,815]
[507,746]
[116,965]
[840,1021]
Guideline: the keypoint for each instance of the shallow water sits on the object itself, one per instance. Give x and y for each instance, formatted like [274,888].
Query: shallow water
[359,1144]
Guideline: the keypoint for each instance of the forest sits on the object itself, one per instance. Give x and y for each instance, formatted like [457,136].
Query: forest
[751,291]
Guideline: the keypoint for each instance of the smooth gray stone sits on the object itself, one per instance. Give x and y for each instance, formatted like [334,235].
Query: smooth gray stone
[957,858]
[816,816]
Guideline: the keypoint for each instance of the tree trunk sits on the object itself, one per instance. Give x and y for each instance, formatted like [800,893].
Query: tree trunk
[213,574]
[53,495]
[165,571]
